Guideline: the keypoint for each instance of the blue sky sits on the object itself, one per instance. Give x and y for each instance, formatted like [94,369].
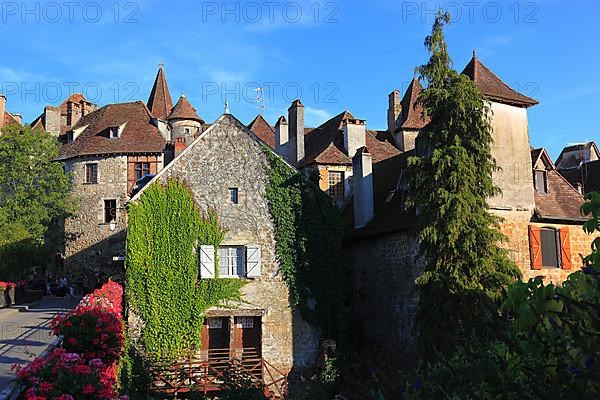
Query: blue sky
[339,54]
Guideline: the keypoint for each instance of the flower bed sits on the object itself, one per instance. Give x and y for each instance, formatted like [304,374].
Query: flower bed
[86,365]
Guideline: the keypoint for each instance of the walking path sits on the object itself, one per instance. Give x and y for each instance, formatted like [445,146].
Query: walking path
[25,333]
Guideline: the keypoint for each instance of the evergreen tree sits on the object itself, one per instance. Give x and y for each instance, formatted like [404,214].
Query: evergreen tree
[450,180]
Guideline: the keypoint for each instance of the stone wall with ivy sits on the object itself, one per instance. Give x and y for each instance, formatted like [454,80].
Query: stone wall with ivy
[229,157]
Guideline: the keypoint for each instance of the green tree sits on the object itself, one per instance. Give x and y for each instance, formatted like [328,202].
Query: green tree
[35,194]
[450,180]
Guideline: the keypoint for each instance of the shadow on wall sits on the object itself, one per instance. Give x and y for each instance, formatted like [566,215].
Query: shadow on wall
[91,267]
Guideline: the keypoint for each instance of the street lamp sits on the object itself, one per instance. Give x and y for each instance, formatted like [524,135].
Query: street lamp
[112,225]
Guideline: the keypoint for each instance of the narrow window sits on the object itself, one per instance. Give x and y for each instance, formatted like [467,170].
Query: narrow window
[234,195]
[187,130]
[541,181]
[110,211]
[114,132]
[231,261]
[550,247]
[336,185]
[91,173]
[141,169]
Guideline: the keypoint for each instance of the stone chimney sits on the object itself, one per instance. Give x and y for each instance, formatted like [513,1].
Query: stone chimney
[296,133]
[394,111]
[282,137]
[355,132]
[52,120]
[2,109]
[362,172]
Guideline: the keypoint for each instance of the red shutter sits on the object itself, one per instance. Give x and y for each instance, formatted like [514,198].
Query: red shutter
[535,247]
[565,248]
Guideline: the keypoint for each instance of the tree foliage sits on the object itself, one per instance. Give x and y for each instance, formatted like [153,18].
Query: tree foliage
[450,180]
[308,245]
[35,193]
[547,347]
[163,288]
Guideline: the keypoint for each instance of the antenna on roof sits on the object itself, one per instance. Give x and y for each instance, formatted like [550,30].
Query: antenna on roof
[226,105]
[260,99]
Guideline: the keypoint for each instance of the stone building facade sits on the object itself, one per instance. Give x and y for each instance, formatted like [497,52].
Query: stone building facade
[111,149]
[226,169]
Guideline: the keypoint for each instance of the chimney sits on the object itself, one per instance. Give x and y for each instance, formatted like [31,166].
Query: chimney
[355,132]
[281,137]
[362,172]
[296,133]
[180,145]
[52,120]
[19,118]
[2,109]
[394,111]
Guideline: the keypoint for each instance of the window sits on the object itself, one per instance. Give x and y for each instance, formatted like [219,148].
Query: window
[91,173]
[214,323]
[541,181]
[187,130]
[550,247]
[141,169]
[110,211]
[245,322]
[234,195]
[114,132]
[336,185]
[231,261]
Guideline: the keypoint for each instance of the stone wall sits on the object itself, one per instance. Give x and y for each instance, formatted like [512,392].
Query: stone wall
[382,271]
[228,157]
[93,244]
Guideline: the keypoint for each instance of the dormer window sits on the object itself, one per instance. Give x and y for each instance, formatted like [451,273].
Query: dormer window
[113,132]
[541,181]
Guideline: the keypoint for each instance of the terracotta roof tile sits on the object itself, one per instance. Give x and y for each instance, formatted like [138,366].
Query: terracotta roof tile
[184,110]
[159,102]
[138,136]
[412,111]
[493,87]
[9,119]
[563,201]
[265,132]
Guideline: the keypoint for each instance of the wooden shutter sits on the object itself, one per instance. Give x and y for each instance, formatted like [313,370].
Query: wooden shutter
[253,267]
[565,248]
[535,247]
[207,262]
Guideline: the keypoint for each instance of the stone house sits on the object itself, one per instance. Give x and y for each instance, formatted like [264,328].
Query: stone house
[7,118]
[580,164]
[111,148]
[226,170]
[539,206]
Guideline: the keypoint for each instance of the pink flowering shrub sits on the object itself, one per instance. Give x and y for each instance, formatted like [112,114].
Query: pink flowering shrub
[7,285]
[63,376]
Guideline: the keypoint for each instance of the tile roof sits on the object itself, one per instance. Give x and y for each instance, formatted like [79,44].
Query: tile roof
[263,130]
[412,111]
[139,135]
[575,159]
[159,102]
[563,201]
[325,144]
[9,119]
[493,87]
[586,175]
[184,110]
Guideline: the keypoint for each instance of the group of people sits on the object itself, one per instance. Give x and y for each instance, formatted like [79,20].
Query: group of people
[60,288]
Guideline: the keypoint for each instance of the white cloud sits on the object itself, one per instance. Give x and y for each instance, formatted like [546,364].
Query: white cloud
[315,116]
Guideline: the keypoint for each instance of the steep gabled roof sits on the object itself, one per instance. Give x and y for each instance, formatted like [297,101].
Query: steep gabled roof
[9,119]
[159,102]
[412,111]
[263,130]
[563,201]
[184,110]
[138,134]
[493,87]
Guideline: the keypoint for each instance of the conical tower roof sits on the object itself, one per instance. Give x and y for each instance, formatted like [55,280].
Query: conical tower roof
[184,110]
[160,103]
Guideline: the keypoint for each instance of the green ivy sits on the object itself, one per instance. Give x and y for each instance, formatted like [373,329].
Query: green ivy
[308,235]
[165,231]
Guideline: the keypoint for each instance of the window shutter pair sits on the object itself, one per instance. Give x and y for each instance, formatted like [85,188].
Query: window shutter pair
[535,248]
[207,261]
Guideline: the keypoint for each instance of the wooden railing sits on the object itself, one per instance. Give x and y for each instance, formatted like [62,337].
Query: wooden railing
[206,372]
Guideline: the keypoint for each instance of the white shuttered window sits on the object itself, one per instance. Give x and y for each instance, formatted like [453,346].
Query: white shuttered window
[231,261]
